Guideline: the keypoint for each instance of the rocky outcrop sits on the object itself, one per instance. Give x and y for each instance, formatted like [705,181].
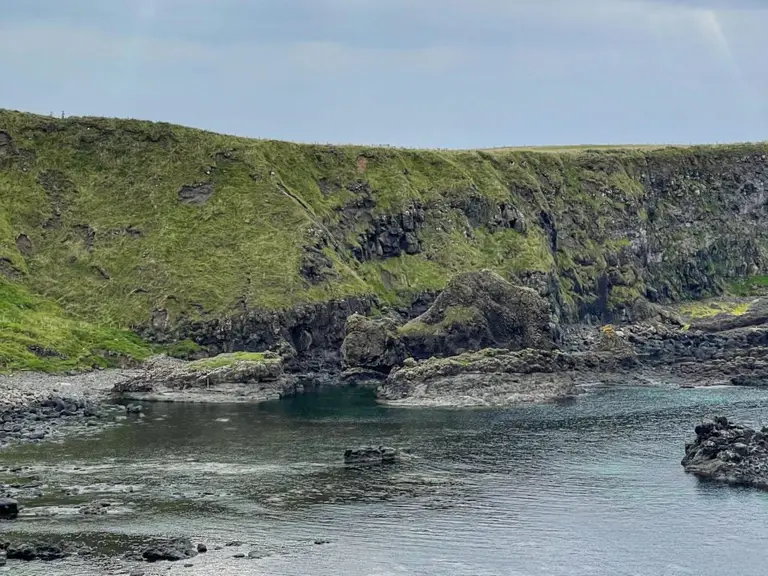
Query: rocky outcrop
[727,452]
[480,310]
[223,369]
[310,334]
[372,344]
[172,551]
[29,551]
[370,455]
[498,377]
[196,195]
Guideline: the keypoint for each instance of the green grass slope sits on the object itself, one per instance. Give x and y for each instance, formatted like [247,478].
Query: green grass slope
[36,334]
[92,226]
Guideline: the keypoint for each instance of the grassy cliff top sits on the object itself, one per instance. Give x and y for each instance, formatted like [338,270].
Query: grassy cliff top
[124,223]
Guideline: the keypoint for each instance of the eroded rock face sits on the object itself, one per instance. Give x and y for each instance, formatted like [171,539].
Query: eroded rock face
[372,344]
[315,332]
[728,452]
[480,310]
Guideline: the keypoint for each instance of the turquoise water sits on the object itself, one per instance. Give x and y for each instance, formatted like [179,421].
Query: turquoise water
[591,487]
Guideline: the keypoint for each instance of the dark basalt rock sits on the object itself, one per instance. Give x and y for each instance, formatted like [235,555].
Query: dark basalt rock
[172,551]
[480,310]
[29,551]
[728,452]
[370,455]
[9,509]
[372,344]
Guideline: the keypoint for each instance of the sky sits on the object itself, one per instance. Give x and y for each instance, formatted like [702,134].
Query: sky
[419,73]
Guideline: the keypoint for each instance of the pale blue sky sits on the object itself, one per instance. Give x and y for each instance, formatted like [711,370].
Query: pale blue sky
[432,73]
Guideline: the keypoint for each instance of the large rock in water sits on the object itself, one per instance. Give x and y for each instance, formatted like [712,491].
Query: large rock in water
[172,551]
[729,453]
[480,310]
[372,344]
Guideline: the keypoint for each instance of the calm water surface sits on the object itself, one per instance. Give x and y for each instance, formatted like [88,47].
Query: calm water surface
[593,487]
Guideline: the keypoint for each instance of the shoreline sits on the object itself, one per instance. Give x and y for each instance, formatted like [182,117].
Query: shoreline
[36,406]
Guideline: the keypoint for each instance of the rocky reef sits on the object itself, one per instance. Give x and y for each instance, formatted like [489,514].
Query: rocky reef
[727,452]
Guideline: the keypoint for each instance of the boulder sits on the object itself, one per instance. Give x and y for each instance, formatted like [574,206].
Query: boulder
[172,551]
[728,452]
[372,344]
[480,310]
[370,455]
[9,509]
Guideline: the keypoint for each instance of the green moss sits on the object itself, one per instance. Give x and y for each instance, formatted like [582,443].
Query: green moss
[754,285]
[229,359]
[183,349]
[712,307]
[454,315]
[36,334]
[622,296]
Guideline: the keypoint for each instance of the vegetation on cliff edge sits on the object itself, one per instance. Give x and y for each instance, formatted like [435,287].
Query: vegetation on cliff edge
[125,224]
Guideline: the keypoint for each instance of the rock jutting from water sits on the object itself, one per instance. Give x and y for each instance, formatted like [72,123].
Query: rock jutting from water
[172,551]
[9,509]
[728,452]
[370,455]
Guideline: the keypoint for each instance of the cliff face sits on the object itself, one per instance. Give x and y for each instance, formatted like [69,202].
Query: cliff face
[180,233]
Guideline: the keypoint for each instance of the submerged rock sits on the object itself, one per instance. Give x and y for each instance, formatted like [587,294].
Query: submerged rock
[370,455]
[9,509]
[728,452]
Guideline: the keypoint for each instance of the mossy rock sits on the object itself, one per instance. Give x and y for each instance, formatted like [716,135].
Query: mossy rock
[372,344]
[480,310]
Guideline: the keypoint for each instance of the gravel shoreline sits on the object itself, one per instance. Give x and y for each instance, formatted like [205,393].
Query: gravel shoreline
[36,406]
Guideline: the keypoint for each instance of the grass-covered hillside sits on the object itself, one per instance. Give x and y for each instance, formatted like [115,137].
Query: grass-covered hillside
[124,224]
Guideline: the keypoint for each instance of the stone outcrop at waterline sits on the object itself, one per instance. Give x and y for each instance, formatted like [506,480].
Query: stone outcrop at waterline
[226,377]
[494,377]
[728,452]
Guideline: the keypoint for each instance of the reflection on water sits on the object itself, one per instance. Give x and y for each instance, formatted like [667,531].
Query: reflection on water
[588,487]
